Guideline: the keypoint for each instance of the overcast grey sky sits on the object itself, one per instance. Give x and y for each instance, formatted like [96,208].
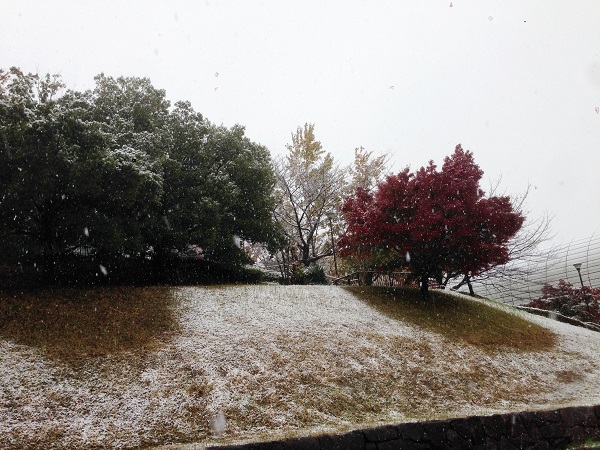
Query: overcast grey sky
[516,82]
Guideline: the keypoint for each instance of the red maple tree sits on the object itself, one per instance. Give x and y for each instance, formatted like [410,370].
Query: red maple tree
[437,223]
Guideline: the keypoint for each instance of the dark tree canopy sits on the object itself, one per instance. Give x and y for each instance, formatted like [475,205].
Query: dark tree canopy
[437,223]
[118,171]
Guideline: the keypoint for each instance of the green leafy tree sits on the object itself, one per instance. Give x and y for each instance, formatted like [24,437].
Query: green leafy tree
[132,112]
[215,183]
[133,115]
[63,183]
[115,170]
[245,181]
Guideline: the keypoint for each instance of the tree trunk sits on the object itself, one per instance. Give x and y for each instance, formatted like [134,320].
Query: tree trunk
[439,278]
[471,291]
[425,286]
[466,280]
[159,264]
[306,254]
[283,267]
[50,261]
[49,256]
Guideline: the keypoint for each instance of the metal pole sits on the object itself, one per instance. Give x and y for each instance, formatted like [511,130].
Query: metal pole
[578,268]
[580,279]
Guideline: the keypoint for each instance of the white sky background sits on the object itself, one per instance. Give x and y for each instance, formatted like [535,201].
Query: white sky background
[515,82]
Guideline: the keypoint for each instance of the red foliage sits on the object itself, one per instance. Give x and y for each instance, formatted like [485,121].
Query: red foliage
[441,219]
[580,303]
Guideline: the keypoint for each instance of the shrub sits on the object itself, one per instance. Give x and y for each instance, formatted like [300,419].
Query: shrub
[579,303]
[297,275]
[315,274]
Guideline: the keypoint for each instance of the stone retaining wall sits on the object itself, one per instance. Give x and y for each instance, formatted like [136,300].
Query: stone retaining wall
[524,430]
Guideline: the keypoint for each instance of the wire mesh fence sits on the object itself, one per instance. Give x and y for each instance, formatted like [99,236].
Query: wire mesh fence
[522,281]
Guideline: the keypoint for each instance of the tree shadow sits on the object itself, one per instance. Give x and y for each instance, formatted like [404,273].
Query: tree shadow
[75,323]
[459,319]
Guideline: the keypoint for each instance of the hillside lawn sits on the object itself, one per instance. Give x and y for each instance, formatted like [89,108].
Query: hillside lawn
[143,367]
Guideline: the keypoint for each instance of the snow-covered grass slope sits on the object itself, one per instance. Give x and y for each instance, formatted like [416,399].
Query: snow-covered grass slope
[262,362]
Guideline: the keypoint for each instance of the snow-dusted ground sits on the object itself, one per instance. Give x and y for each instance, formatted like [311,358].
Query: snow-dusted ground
[271,360]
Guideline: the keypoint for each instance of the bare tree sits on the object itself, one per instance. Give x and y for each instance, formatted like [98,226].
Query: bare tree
[309,184]
[525,249]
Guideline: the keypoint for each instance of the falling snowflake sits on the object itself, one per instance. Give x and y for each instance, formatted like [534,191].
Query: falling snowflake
[407,257]
[597,109]
[218,423]
[490,18]
[103,270]
[451,5]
